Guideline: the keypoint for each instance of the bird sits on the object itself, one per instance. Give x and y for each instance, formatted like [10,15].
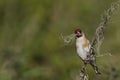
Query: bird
[83,51]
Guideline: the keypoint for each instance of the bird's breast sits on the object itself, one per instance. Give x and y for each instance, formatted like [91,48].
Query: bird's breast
[82,47]
[80,51]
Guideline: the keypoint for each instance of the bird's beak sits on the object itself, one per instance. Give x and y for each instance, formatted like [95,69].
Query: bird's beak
[78,35]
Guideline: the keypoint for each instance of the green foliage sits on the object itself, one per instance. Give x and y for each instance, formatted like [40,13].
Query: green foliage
[30,44]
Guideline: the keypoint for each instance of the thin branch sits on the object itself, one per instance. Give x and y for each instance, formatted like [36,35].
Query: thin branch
[68,39]
[99,34]
[107,54]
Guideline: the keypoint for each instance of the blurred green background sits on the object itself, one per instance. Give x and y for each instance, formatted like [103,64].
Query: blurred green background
[30,43]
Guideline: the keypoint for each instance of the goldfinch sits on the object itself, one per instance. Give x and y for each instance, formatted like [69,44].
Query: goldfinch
[83,47]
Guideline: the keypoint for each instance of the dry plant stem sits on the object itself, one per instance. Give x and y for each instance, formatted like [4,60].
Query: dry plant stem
[107,54]
[68,39]
[99,34]
[83,76]
[83,73]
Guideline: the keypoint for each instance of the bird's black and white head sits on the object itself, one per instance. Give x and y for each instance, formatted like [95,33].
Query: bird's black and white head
[78,33]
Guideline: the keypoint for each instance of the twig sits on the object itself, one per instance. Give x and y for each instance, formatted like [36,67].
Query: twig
[107,54]
[68,39]
[99,34]
[84,76]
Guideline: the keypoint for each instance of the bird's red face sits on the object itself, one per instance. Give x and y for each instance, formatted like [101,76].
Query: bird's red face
[78,33]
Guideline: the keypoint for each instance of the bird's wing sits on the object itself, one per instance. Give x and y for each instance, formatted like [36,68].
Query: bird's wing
[86,45]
